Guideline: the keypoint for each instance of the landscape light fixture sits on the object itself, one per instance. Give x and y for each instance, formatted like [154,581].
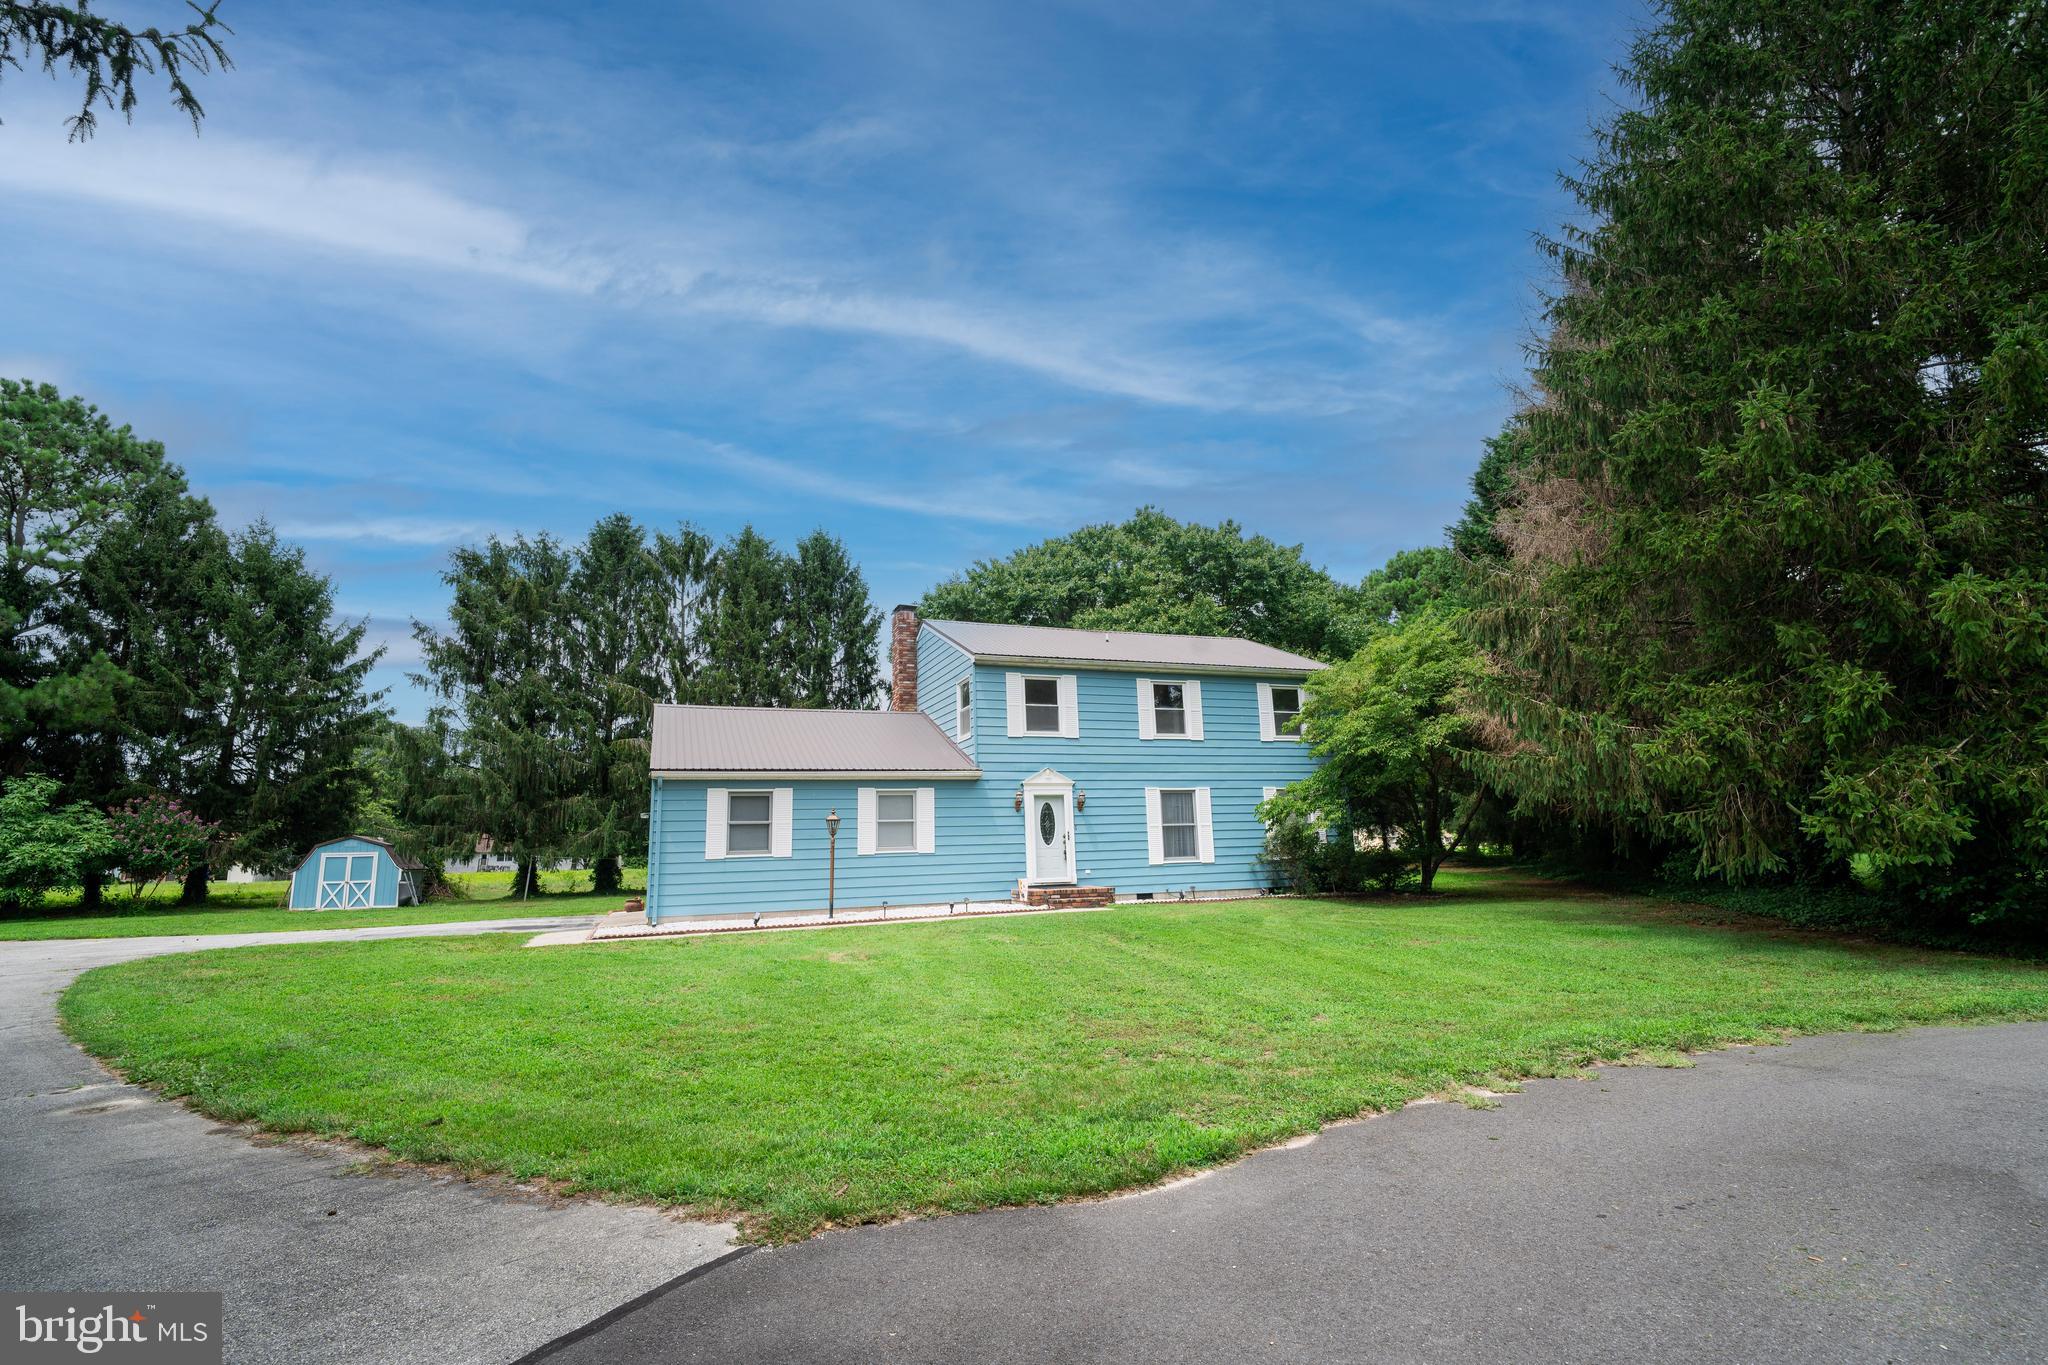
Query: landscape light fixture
[831,861]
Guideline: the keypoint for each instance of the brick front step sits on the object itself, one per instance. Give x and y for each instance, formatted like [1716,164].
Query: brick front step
[1065,897]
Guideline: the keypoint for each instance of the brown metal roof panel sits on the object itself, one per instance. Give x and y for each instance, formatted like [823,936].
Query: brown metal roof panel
[720,739]
[1121,647]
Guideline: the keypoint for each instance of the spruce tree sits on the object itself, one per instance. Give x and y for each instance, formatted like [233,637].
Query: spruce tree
[1775,590]
[834,630]
[745,625]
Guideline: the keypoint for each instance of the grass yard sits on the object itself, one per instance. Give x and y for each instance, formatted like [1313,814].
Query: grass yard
[808,1079]
[258,907]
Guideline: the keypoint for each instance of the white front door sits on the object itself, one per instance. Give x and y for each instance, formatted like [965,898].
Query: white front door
[1050,843]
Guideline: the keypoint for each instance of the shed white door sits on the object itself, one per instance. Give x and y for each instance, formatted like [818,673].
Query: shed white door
[1050,842]
[346,880]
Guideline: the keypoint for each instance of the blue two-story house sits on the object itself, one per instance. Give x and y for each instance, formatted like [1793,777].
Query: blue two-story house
[1015,762]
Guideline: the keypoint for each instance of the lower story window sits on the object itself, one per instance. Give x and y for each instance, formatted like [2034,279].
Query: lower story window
[749,816]
[896,822]
[1177,836]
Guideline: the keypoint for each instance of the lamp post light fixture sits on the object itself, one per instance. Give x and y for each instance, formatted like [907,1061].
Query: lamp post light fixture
[831,861]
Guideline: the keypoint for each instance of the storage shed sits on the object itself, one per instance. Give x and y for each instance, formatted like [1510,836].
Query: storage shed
[355,872]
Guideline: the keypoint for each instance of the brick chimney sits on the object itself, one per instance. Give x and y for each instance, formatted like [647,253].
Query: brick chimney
[903,659]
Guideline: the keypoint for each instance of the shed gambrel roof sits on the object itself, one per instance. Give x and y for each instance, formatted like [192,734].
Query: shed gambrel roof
[1120,649]
[695,741]
[405,862]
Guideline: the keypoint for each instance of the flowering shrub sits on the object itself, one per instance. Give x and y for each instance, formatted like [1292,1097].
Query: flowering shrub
[156,838]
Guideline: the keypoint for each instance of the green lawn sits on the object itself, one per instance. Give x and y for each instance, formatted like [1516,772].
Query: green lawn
[808,1079]
[258,907]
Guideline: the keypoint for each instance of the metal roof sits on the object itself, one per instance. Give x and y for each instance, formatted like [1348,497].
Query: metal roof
[405,861]
[763,740]
[1120,648]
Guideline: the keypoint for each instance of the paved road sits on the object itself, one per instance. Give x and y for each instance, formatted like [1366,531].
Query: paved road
[1862,1198]
[104,1187]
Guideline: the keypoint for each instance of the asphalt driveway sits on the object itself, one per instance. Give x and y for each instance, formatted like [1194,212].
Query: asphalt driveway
[103,1187]
[1860,1198]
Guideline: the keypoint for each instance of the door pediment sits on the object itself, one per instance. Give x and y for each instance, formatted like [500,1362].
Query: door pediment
[1048,777]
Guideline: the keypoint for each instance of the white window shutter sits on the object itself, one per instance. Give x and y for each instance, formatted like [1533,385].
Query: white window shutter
[1013,689]
[1155,838]
[1070,707]
[864,817]
[1266,730]
[714,822]
[784,826]
[1205,827]
[1148,719]
[927,821]
[1191,697]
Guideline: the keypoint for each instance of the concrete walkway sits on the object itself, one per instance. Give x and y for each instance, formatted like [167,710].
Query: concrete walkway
[104,1187]
[1852,1198]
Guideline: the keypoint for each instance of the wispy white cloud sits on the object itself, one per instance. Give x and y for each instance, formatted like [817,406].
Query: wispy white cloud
[1130,339]
[997,500]
[388,530]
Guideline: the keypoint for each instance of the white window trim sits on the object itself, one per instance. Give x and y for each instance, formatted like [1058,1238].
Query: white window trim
[718,821]
[1155,828]
[963,708]
[1269,729]
[1190,702]
[1069,704]
[871,820]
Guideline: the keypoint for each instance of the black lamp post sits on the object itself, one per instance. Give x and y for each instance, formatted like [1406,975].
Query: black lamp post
[831,861]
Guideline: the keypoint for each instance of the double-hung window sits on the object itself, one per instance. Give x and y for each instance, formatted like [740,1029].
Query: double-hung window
[963,727]
[1286,706]
[1179,835]
[896,822]
[1169,709]
[749,825]
[1041,706]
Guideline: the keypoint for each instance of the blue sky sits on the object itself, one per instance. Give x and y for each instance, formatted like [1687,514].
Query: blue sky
[944,278]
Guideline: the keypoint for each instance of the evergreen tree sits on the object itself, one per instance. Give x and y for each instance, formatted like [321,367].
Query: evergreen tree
[683,561]
[834,630]
[1776,576]
[1153,573]
[745,626]
[618,613]
[505,673]
[107,56]
[280,711]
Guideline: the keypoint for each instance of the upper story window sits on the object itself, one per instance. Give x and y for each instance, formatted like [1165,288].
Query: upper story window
[1169,709]
[749,823]
[963,726]
[1286,706]
[1041,706]
[896,822]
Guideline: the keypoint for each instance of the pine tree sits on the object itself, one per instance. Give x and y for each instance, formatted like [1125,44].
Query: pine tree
[1776,582]
[745,625]
[618,611]
[834,630]
[280,704]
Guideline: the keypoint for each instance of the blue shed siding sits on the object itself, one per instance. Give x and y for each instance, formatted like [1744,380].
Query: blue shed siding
[941,665]
[306,879]
[979,836]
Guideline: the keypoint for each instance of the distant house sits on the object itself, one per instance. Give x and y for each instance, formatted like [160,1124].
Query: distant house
[1019,762]
[355,872]
[488,859]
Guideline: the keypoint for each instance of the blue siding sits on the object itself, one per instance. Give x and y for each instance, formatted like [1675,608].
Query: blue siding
[941,665]
[979,835]
[306,880]
[1113,766]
